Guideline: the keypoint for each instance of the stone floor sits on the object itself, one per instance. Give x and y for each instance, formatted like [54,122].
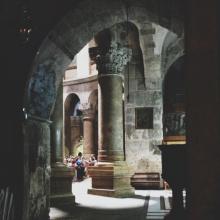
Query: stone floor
[159,204]
[145,205]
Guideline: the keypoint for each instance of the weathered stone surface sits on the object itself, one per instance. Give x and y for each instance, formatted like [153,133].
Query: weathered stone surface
[132,86]
[145,134]
[173,48]
[43,100]
[114,60]
[45,79]
[153,83]
[111,118]
[143,164]
[154,147]
[130,111]
[154,69]
[38,168]
[138,142]
[146,98]
[130,129]
[57,129]
[111,179]
[158,114]
[140,84]
[155,133]
[147,31]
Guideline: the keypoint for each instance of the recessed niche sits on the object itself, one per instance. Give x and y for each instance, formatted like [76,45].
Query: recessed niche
[144,118]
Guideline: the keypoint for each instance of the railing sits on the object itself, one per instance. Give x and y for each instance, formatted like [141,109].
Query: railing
[174,124]
[6,204]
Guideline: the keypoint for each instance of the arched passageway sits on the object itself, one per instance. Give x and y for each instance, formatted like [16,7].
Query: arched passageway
[72,124]
[174,104]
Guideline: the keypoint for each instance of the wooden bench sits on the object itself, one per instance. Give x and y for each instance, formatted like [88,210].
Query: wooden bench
[147,180]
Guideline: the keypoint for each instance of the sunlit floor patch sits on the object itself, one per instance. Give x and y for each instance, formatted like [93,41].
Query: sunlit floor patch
[152,204]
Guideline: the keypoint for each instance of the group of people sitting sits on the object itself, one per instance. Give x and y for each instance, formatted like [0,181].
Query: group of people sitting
[80,164]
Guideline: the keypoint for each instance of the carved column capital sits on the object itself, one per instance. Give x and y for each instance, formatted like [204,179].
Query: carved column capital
[87,110]
[112,60]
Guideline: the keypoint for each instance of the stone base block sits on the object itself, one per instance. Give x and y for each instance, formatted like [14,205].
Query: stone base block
[111,179]
[61,179]
[61,185]
[112,193]
[62,200]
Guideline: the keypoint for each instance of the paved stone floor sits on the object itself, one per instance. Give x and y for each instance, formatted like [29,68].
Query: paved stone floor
[145,205]
[159,204]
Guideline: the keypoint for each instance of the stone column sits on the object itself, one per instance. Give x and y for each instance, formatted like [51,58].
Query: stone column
[111,177]
[36,199]
[88,131]
[61,176]
[110,123]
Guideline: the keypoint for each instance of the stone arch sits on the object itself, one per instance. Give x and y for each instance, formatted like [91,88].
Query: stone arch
[54,55]
[93,99]
[93,116]
[174,107]
[173,48]
[174,79]
[70,103]
[72,123]
[61,45]
[70,95]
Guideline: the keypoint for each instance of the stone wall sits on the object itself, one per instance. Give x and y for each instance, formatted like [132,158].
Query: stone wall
[82,87]
[145,90]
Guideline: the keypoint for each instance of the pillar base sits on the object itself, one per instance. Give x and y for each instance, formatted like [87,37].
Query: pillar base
[111,179]
[62,200]
[61,185]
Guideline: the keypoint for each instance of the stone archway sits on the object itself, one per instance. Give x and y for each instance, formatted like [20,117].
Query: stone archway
[173,48]
[93,117]
[53,57]
[72,124]
[62,44]
[174,106]
[173,68]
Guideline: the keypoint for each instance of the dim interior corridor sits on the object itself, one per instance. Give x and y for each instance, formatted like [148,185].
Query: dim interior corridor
[145,204]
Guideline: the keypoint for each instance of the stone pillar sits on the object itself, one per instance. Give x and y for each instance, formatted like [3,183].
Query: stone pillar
[36,200]
[110,108]
[88,131]
[61,176]
[111,177]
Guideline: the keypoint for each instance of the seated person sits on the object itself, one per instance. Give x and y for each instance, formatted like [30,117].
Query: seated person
[80,167]
[92,160]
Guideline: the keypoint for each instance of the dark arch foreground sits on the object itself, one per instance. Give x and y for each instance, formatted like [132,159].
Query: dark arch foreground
[50,63]
[73,32]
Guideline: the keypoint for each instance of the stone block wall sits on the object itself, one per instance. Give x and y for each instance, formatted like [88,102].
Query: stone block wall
[145,90]
[142,153]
